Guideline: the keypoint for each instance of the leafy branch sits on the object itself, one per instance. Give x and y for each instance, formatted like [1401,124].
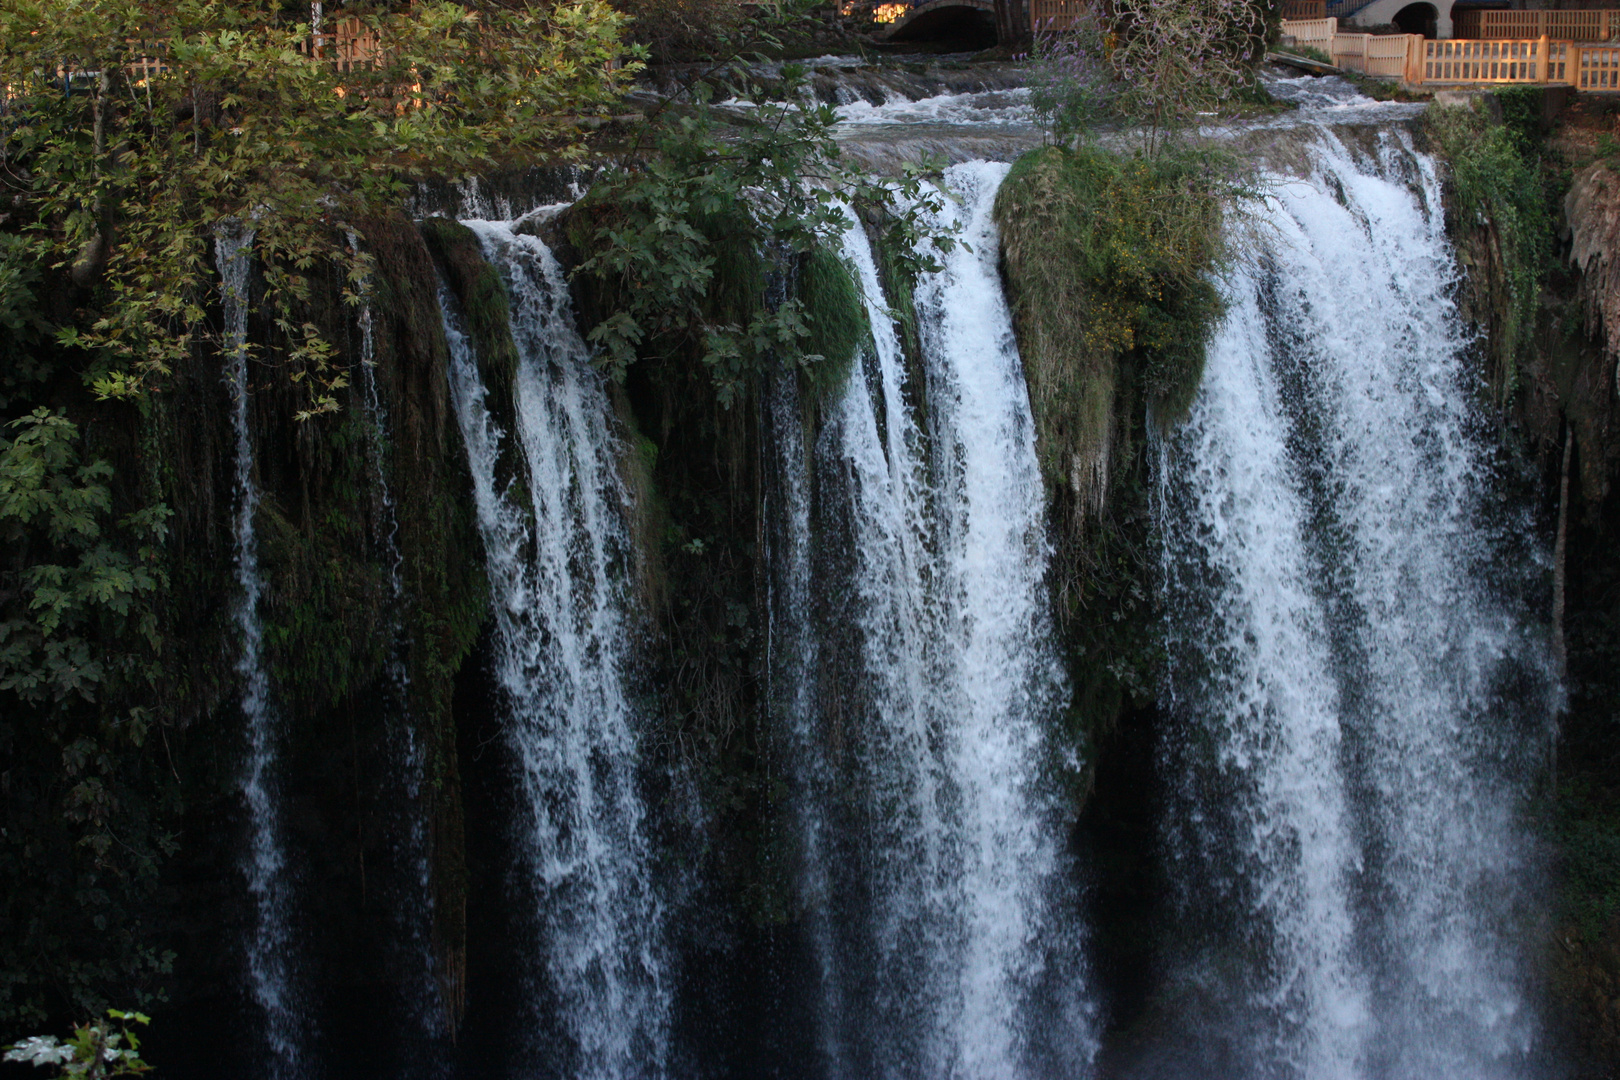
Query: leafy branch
[99,1049]
[674,244]
[123,176]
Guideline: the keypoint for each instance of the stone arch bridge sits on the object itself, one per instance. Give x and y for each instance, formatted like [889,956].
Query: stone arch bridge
[942,18]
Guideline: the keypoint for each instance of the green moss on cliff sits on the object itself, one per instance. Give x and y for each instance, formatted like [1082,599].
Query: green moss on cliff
[838,323]
[485,310]
[1108,262]
[446,592]
[1500,223]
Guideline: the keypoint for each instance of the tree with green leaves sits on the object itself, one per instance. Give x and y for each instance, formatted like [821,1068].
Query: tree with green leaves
[132,129]
[135,127]
[678,243]
[99,1049]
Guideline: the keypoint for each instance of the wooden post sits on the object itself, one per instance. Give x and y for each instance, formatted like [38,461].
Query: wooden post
[1543,65]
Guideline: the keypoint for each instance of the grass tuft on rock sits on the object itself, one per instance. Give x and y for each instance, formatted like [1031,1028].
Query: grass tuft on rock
[1109,262]
[836,316]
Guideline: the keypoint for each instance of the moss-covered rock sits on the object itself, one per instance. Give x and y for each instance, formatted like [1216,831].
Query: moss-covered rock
[837,318]
[1108,261]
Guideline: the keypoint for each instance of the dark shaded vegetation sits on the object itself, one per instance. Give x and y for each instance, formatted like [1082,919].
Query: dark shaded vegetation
[120,778]
[1501,217]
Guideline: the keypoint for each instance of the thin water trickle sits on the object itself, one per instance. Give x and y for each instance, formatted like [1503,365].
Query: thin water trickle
[790,664]
[411,910]
[270,942]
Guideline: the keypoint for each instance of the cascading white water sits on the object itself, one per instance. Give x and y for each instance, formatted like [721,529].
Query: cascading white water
[1005,682]
[790,664]
[957,852]
[269,945]
[875,449]
[558,556]
[1347,691]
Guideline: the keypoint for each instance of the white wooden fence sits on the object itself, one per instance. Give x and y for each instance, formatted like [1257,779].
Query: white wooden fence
[1417,60]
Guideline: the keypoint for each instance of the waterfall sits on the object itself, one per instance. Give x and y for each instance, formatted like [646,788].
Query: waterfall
[1004,684]
[558,556]
[412,909]
[947,860]
[1352,676]
[270,943]
[790,663]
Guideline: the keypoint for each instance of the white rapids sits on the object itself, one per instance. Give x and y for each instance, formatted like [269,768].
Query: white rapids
[1346,745]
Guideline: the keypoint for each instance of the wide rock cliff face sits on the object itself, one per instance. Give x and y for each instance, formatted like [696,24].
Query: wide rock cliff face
[358,662]
[1584,381]
[1567,415]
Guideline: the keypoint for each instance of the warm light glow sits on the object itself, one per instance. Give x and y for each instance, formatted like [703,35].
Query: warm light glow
[885,13]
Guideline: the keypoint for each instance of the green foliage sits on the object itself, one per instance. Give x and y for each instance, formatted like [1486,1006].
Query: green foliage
[674,245]
[23,329]
[1500,213]
[75,579]
[128,174]
[86,805]
[1521,116]
[326,606]
[1109,261]
[94,1052]
[838,324]
[1310,52]
[1588,835]
[486,312]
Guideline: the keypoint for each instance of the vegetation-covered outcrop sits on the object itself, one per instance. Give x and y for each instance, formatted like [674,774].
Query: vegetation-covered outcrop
[1108,259]
[1532,203]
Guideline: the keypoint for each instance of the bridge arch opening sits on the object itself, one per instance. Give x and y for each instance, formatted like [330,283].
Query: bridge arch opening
[1418,19]
[955,27]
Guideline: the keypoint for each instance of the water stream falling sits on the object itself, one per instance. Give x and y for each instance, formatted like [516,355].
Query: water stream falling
[1353,684]
[1353,678]
[270,942]
[410,904]
[945,861]
[791,666]
[559,559]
